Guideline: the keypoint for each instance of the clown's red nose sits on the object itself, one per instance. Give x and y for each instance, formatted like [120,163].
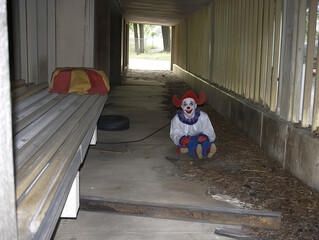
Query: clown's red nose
[188,107]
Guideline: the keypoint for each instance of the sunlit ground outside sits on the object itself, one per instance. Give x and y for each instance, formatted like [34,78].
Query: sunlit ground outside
[149,64]
[150,56]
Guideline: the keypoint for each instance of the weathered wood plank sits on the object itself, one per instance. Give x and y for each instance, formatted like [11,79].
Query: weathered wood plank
[264,52]
[29,91]
[56,125]
[244,217]
[259,50]
[254,49]
[40,208]
[274,80]
[8,228]
[299,61]
[246,46]
[31,100]
[249,48]
[228,45]
[42,155]
[236,43]
[242,41]
[269,68]
[217,44]
[26,134]
[223,44]
[18,115]
[19,89]
[25,118]
[288,58]
[17,83]
[309,62]
[315,115]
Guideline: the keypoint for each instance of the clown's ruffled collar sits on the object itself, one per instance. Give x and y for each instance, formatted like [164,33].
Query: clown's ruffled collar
[189,121]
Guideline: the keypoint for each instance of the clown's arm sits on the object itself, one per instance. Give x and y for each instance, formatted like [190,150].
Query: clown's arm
[207,127]
[177,131]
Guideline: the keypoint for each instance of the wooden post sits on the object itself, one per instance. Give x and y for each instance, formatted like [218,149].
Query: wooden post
[212,52]
[32,41]
[115,45]
[309,63]
[250,63]
[288,56]
[242,40]
[236,42]
[51,39]
[8,226]
[246,39]
[274,80]
[299,60]
[259,45]
[269,54]
[315,115]
[254,48]
[264,53]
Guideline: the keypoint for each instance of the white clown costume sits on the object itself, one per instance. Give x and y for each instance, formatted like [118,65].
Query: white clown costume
[191,129]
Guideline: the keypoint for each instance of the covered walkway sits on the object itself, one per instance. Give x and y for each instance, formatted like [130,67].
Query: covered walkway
[256,61]
[239,176]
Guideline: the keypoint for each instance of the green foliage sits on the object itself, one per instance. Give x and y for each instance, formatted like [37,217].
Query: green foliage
[149,30]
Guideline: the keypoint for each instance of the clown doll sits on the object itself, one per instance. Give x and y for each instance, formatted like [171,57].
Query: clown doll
[191,129]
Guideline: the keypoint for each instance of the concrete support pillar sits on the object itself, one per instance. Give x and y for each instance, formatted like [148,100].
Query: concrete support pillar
[102,30]
[115,47]
[51,38]
[8,226]
[32,41]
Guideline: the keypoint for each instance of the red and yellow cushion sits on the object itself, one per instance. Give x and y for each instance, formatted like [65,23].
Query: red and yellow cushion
[79,80]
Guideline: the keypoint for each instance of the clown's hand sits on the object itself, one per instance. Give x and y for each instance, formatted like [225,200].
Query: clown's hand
[201,139]
[184,141]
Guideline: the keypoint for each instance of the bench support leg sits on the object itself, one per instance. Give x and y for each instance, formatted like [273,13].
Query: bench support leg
[94,137]
[72,204]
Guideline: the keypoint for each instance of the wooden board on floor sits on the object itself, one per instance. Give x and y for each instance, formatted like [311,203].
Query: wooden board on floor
[232,216]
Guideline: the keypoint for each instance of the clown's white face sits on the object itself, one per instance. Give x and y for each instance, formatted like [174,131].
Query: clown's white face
[189,107]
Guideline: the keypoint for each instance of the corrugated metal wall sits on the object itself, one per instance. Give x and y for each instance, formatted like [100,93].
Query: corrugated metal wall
[237,45]
[180,43]
[246,50]
[199,38]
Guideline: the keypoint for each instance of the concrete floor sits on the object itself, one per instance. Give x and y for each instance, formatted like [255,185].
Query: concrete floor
[149,64]
[140,171]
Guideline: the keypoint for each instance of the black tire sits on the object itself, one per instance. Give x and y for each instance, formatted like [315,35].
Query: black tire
[113,123]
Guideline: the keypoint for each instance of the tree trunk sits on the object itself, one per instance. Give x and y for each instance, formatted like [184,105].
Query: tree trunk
[141,38]
[166,38]
[137,49]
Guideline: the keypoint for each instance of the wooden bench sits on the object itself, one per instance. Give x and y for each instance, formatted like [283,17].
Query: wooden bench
[52,133]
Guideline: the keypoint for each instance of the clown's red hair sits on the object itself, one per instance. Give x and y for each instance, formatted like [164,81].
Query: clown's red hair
[189,94]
